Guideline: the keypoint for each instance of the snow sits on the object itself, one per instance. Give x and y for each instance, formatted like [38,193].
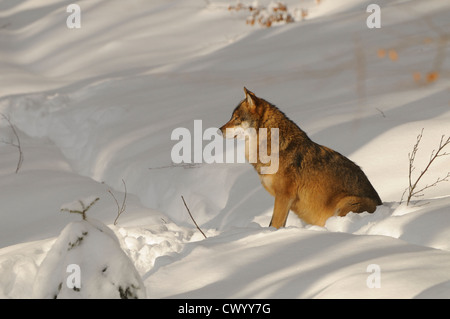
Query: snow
[97,105]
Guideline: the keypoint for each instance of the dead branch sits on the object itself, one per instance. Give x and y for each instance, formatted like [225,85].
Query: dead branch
[381,112]
[412,189]
[183,165]
[120,209]
[83,209]
[192,217]
[16,145]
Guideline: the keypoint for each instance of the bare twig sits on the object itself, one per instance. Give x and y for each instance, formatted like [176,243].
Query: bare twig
[192,217]
[382,113]
[83,209]
[120,209]
[16,145]
[183,165]
[412,188]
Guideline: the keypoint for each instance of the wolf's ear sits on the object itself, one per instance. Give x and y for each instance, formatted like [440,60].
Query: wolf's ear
[250,97]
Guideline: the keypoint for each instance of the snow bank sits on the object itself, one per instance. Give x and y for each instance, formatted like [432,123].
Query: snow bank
[424,224]
[300,263]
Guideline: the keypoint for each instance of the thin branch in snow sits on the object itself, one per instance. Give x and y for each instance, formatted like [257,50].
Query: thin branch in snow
[16,145]
[192,217]
[120,209]
[81,211]
[183,165]
[412,189]
[381,112]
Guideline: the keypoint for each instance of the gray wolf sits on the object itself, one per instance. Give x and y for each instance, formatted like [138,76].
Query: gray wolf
[313,181]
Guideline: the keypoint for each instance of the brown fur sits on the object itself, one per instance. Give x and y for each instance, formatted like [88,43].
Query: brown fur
[313,181]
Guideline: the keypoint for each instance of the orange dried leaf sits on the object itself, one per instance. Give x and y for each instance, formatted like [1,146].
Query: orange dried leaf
[304,13]
[393,55]
[282,7]
[432,76]
[381,53]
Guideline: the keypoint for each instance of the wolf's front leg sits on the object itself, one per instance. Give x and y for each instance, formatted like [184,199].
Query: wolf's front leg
[280,211]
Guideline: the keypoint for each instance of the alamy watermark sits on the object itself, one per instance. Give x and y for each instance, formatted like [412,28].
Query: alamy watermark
[374,279]
[73,21]
[373,21]
[73,280]
[240,144]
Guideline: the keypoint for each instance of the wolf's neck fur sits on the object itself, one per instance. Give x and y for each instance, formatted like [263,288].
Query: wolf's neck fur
[288,130]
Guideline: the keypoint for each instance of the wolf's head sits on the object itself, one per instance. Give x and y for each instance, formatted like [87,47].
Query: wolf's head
[246,124]
[248,114]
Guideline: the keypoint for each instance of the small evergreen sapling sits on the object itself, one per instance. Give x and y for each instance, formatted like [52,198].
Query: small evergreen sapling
[87,261]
